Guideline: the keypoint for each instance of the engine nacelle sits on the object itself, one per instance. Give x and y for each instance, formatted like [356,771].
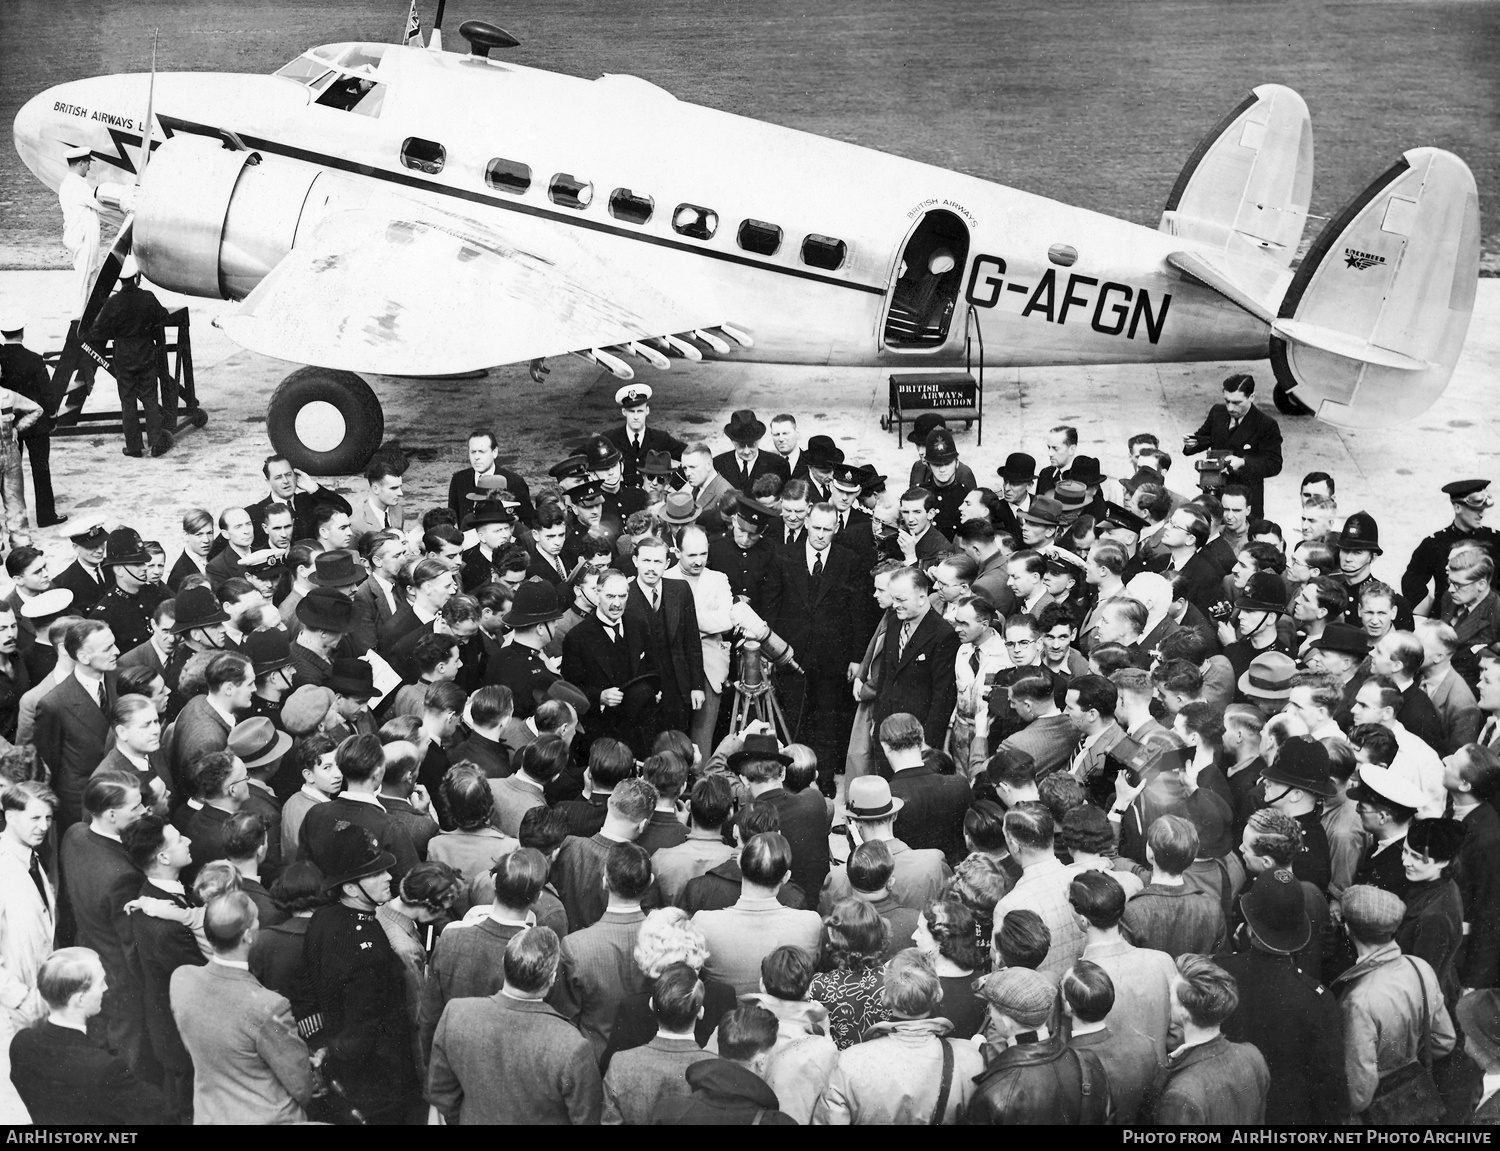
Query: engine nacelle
[212,221]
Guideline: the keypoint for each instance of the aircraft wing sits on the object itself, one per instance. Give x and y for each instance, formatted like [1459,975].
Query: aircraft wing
[407,289]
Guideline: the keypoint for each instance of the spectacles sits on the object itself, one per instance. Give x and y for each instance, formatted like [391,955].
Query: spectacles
[1019,642]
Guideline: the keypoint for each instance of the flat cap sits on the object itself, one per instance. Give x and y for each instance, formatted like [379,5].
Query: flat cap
[304,711]
[1020,993]
[1372,910]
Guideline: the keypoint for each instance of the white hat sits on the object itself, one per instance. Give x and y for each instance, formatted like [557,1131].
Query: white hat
[79,153]
[1387,783]
[84,525]
[12,319]
[54,601]
[129,269]
[633,395]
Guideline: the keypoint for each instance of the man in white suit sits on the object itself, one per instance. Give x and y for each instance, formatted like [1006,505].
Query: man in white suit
[712,600]
[28,908]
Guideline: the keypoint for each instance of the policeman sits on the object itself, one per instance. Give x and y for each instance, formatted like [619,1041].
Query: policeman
[1429,562]
[520,665]
[128,606]
[1358,545]
[80,209]
[25,373]
[133,318]
[607,467]
[948,480]
[634,438]
[85,577]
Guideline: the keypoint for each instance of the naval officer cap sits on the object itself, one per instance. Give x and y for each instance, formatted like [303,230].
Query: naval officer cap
[12,321]
[88,532]
[633,395]
[78,153]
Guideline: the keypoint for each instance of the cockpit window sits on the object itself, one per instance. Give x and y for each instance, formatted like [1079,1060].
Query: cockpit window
[304,70]
[354,94]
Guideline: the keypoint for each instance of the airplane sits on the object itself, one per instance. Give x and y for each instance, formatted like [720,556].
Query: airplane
[402,210]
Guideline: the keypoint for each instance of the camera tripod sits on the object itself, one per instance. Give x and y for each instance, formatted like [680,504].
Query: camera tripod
[755,695]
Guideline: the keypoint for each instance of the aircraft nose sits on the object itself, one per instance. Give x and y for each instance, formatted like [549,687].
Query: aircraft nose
[28,128]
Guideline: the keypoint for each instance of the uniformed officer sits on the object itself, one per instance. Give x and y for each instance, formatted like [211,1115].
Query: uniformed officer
[607,468]
[357,982]
[25,373]
[1429,562]
[128,606]
[264,570]
[1358,545]
[17,416]
[85,577]
[744,553]
[493,522]
[520,664]
[634,438]
[80,209]
[133,318]
[948,480]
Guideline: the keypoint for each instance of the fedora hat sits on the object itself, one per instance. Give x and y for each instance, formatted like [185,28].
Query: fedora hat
[678,508]
[1085,470]
[324,609]
[822,453]
[1303,764]
[1071,496]
[1276,911]
[601,454]
[257,742]
[353,678]
[744,428]
[869,797]
[1345,638]
[1269,676]
[199,607]
[268,650]
[535,603]
[124,546]
[922,426]
[352,853]
[870,480]
[490,510]
[336,569]
[1044,510]
[1264,591]
[1361,534]
[759,747]
[658,464]
[1017,468]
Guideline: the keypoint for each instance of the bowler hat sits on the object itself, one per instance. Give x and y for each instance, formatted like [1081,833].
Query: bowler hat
[744,428]
[679,508]
[869,797]
[198,607]
[1018,467]
[1345,638]
[1303,764]
[268,650]
[124,546]
[352,854]
[1361,534]
[633,395]
[940,448]
[601,454]
[1085,470]
[1143,475]
[1269,676]
[257,742]
[352,678]
[822,453]
[1264,591]
[922,425]
[1479,1018]
[658,464]
[490,510]
[323,609]
[1372,910]
[535,603]
[759,747]
[335,569]
[640,694]
[1276,910]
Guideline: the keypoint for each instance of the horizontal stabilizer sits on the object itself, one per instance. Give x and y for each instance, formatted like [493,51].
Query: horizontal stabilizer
[1245,189]
[1376,316]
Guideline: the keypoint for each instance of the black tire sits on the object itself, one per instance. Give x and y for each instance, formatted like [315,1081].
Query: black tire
[364,422]
[1281,395]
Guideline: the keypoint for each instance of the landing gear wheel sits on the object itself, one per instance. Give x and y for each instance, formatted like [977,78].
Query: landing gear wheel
[1288,404]
[324,422]
[1281,395]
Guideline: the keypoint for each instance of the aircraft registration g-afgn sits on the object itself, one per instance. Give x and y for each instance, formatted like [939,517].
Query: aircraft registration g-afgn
[403,210]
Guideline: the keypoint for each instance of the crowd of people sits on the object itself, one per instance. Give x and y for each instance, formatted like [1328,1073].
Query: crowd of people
[1084,800]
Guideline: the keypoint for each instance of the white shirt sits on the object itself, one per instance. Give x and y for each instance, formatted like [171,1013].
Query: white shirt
[652,594]
[222,962]
[387,589]
[812,557]
[362,797]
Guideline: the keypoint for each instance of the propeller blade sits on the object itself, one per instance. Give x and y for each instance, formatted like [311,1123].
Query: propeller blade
[150,103]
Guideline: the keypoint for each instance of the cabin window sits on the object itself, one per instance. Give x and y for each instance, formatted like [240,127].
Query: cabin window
[760,237]
[354,94]
[508,176]
[691,220]
[630,207]
[824,252]
[304,70]
[423,155]
[570,192]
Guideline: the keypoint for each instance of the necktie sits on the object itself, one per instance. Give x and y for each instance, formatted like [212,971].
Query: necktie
[1488,733]
[36,878]
[609,630]
[905,635]
[974,661]
[794,537]
[817,568]
[655,600]
[745,473]
[636,440]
